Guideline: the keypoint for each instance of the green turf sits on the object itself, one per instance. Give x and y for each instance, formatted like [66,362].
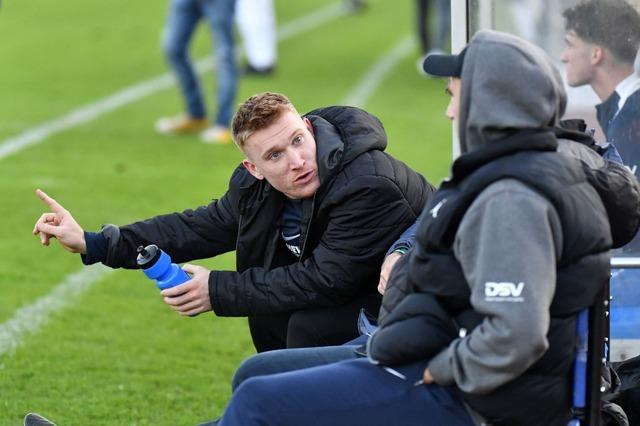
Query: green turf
[119,355]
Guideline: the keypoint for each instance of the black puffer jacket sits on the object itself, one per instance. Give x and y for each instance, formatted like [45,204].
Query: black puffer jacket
[422,324]
[615,184]
[365,200]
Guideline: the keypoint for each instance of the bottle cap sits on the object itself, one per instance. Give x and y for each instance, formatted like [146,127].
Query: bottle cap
[148,256]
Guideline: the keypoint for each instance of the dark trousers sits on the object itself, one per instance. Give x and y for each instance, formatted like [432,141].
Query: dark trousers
[329,326]
[284,360]
[350,393]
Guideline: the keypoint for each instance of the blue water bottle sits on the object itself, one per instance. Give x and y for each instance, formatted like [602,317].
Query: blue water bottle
[157,265]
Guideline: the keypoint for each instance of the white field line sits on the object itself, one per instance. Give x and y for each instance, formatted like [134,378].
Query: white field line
[90,112]
[29,319]
[374,77]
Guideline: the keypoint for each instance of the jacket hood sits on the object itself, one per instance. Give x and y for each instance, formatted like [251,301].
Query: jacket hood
[508,85]
[342,134]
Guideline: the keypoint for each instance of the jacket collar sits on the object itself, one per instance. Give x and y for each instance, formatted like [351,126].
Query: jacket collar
[607,110]
[523,140]
[329,148]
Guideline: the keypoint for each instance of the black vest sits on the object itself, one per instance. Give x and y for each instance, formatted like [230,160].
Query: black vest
[582,269]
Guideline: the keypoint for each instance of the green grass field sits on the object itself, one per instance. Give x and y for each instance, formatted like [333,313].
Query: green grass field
[117,355]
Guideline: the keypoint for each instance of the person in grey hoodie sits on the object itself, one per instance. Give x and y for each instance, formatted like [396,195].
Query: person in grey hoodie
[511,248]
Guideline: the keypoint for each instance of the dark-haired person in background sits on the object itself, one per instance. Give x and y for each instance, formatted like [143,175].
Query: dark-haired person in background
[602,41]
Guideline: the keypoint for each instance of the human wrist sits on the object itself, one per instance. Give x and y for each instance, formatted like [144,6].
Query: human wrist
[440,368]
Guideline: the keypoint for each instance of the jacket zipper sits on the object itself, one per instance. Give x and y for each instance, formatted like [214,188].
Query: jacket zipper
[306,231]
[238,232]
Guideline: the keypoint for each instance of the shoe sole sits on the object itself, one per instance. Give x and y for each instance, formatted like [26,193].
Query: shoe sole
[34,419]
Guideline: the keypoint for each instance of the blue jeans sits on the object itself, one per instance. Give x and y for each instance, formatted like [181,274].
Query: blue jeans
[352,392]
[182,20]
[284,360]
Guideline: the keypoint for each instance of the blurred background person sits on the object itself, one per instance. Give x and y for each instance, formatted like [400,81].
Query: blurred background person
[440,33]
[182,19]
[602,40]
[256,21]
[354,5]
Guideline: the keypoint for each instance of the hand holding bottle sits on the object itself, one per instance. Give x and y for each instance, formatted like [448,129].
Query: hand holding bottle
[191,297]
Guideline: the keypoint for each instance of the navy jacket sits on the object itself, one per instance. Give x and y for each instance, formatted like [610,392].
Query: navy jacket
[623,129]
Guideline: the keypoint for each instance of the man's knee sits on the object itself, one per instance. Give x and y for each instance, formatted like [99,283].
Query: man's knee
[174,52]
[307,328]
[252,402]
[254,366]
[269,332]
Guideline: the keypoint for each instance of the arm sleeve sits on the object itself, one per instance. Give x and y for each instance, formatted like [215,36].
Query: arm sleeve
[406,240]
[97,246]
[368,215]
[617,187]
[193,234]
[619,190]
[508,239]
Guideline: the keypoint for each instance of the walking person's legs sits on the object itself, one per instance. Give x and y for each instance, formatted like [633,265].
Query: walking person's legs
[219,15]
[182,19]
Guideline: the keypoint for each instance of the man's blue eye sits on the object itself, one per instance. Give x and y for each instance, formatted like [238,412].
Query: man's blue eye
[297,140]
[274,155]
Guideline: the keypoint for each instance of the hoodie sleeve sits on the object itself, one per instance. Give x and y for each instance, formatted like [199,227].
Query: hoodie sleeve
[507,244]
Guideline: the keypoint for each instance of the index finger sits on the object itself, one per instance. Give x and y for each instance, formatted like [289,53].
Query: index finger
[53,204]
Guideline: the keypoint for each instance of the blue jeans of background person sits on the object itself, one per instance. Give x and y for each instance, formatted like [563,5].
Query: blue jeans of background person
[352,392]
[182,20]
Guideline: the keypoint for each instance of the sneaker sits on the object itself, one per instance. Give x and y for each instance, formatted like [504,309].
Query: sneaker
[250,70]
[33,419]
[216,135]
[354,6]
[180,125]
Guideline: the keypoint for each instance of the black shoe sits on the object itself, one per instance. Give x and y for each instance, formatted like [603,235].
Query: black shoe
[33,419]
[262,71]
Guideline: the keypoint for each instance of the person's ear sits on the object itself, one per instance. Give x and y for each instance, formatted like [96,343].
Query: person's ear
[307,123]
[597,54]
[253,169]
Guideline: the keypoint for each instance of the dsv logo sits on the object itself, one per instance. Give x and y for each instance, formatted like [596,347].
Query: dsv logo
[503,292]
